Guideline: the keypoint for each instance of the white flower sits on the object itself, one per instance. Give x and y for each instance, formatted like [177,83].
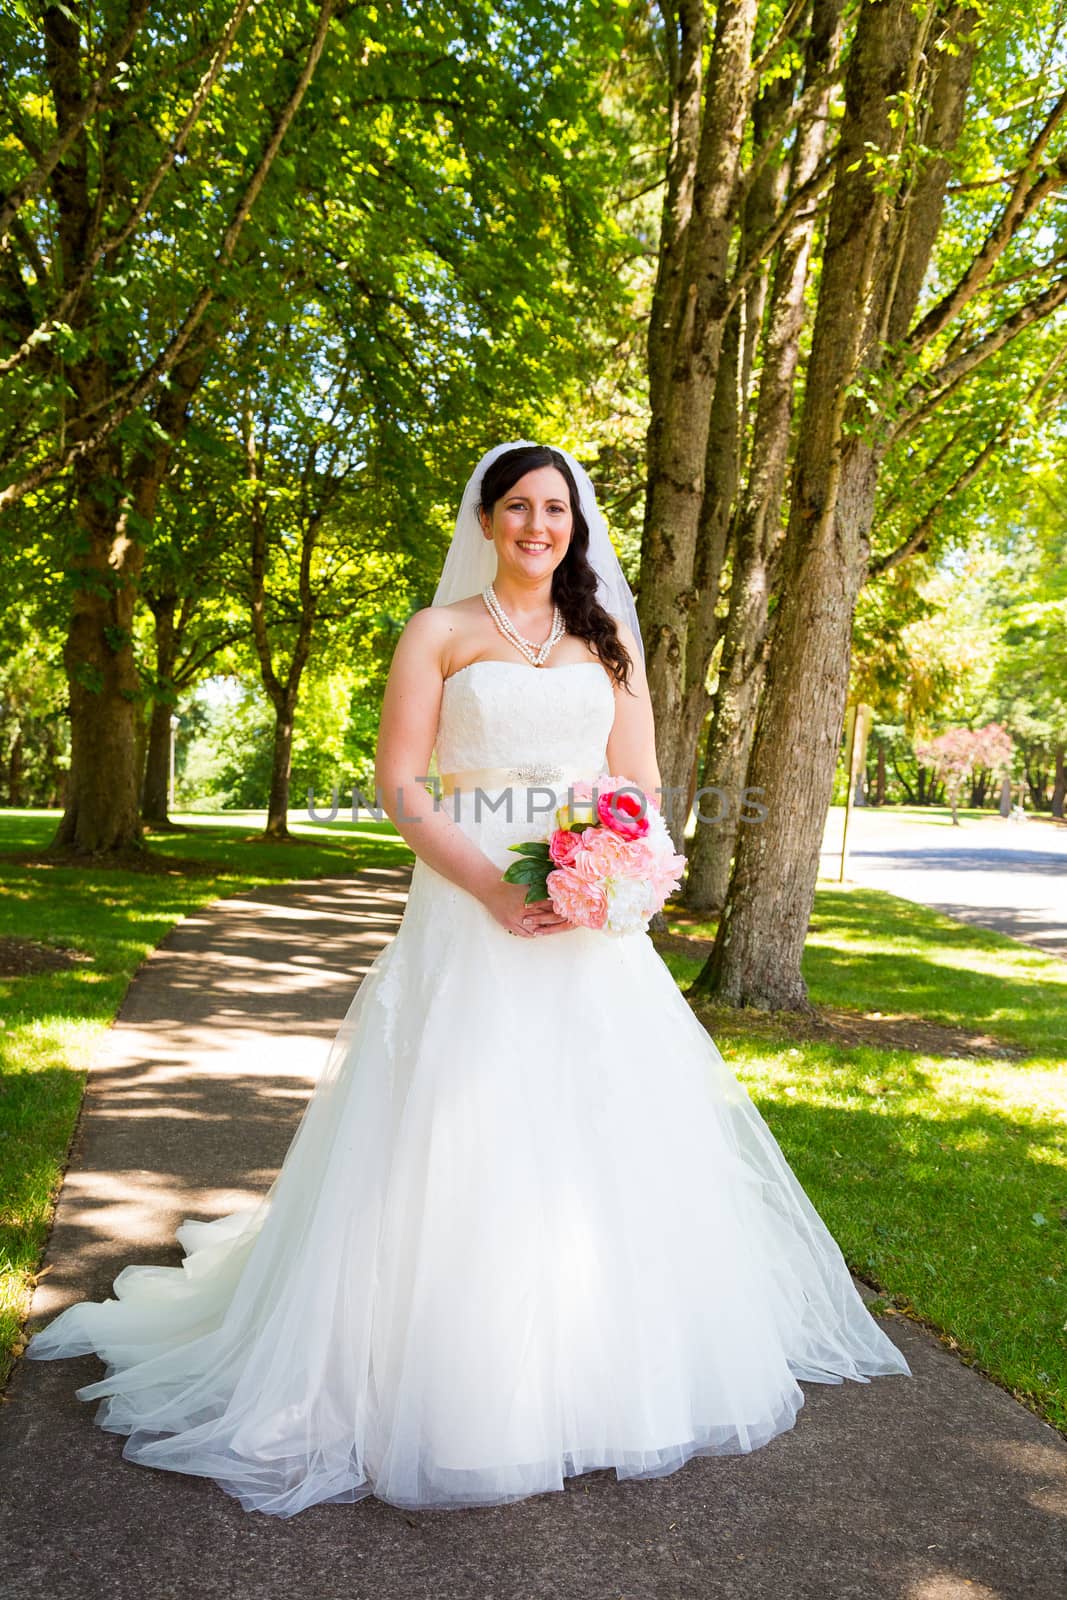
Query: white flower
[658,834]
[627,905]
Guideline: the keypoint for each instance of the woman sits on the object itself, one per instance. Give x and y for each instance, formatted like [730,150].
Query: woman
[530,1224]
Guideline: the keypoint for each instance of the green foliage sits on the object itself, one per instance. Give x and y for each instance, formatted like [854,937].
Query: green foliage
[433,256]
[223,754]
[34,739]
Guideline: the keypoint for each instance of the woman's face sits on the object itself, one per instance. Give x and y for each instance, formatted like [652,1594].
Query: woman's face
[531,524]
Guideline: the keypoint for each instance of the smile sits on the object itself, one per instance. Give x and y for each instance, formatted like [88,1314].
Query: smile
[524,544]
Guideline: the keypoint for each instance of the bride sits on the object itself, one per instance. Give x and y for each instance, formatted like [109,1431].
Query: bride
[530,1224]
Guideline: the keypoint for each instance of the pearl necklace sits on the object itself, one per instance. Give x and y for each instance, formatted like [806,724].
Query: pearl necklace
[536,654]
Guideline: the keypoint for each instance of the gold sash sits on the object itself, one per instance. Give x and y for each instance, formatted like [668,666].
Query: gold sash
[503,777]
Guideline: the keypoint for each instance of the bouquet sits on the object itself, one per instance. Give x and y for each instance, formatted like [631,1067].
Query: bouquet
[608,861]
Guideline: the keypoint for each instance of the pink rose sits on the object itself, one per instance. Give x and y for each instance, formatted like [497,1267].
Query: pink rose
[666,876]
[641,860]
[564,846]
[623,811]
[585,863]
[577,900]
[609,853]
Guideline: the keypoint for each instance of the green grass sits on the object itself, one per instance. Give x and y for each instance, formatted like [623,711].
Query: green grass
[942,1176]
[51,1023]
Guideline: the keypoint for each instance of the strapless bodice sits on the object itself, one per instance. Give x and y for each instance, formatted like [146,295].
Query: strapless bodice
[506,713]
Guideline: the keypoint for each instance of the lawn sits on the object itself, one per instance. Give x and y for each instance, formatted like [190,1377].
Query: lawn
[923,1108]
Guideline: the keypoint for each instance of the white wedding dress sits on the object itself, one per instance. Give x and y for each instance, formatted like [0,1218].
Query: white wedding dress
[529,1225]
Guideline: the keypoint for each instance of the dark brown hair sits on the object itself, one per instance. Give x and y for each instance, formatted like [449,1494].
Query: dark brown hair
[574,581]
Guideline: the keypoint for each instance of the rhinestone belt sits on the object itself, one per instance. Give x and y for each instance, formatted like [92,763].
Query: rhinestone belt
[503,777]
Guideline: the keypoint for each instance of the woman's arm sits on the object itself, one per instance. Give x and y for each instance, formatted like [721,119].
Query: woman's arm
[411,708]
[632,742]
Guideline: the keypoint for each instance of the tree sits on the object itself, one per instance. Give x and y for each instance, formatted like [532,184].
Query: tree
[875,373]
[455,129]
[757,530]
[689,314]
[957,754]
[112,332]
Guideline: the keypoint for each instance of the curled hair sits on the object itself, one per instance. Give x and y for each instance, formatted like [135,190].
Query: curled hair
[574,581]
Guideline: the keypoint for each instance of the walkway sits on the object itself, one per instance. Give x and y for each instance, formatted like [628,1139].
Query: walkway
[937,1489]
[1006,875]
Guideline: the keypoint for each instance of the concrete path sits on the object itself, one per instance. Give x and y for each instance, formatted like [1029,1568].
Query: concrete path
[1001,874]
[938,1488]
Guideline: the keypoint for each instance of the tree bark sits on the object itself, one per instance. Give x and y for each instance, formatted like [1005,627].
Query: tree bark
[112,499]
[281,769]
[156,798]
[14,769]
[757,954]
[102,802]
[1059,791]
[157,766]
[106,694]
[685,341]
[283,692]
[722,462]
[759,527]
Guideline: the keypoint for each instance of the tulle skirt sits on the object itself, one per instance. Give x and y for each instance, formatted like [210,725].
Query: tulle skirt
[529,1225]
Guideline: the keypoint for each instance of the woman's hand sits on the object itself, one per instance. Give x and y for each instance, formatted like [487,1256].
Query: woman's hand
[507,902]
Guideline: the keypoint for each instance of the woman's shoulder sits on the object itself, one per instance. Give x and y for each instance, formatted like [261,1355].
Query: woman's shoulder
[444,618]
[435,630]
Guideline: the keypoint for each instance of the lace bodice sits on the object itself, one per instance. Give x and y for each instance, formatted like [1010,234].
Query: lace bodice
[505,713]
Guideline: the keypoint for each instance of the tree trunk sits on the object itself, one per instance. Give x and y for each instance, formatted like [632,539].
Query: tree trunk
[757,953]
[685,342]
[720,481]
[102,813]
[879,778]
[1037,781]
[107,752]
[1059,792]
[759,531]
[722,466]
[283,692]
[725,770]
[157,761]
[14,769]
[102,801]
[157,766]
[281,769]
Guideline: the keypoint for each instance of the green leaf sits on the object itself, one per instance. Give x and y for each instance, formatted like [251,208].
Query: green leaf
[524,872]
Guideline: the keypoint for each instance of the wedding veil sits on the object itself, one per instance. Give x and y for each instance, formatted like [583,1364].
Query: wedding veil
[471,560]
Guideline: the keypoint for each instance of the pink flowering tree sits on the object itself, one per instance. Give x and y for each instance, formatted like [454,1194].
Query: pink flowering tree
[960,752]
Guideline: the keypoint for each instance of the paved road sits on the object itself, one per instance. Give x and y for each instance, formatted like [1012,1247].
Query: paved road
[1000,874]
[936,1488]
